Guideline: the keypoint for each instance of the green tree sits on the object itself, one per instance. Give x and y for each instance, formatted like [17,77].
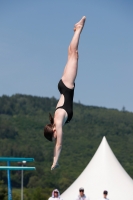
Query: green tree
[3,191]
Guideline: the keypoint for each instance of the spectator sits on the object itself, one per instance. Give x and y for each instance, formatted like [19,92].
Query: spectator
[81,195]
[55,195]
[105,193]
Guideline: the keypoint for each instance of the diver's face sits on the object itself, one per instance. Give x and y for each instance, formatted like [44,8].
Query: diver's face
[54,135]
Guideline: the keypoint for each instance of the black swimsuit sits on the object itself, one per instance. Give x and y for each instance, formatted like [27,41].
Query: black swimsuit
[68,99]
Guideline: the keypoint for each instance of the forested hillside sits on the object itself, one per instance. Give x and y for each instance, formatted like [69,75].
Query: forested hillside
[22,119]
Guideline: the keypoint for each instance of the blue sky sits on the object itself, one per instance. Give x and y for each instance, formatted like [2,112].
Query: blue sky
[34,37]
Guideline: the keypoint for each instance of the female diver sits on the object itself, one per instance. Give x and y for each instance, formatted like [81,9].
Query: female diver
[64,109]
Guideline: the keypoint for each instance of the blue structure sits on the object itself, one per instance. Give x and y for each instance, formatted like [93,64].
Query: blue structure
[16,168]
[9,168]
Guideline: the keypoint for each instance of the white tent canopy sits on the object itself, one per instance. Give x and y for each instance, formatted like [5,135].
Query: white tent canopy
[104,172]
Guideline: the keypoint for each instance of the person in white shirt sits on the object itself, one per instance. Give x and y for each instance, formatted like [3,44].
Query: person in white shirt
[55,195]
[105,193]
[81,195]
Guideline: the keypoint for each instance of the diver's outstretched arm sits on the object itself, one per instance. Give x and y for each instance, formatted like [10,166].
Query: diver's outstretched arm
[58,146]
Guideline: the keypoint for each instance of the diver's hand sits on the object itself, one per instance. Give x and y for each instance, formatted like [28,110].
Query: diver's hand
[54,166]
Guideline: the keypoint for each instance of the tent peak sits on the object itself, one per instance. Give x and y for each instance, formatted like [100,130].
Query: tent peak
[104,138]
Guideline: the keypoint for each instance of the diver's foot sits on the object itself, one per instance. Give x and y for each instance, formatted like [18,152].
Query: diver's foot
[54,167]
[80,24]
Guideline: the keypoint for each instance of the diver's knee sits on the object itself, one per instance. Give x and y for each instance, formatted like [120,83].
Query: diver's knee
[72,53]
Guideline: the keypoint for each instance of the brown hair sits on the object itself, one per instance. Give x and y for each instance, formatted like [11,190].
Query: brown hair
[48,129]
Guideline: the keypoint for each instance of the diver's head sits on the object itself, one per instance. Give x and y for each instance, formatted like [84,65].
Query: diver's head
[49,130]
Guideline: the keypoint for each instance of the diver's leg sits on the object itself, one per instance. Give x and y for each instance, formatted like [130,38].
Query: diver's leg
[71,67]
